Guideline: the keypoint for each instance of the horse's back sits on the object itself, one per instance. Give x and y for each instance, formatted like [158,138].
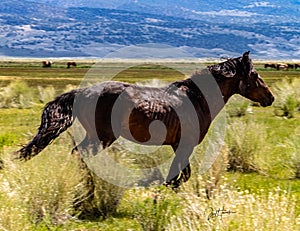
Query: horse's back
[142,114]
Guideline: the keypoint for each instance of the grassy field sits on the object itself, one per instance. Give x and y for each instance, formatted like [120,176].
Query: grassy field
[261,192]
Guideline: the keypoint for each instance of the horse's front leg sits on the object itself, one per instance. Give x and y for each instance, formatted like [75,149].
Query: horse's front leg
[180,170]
[186,173]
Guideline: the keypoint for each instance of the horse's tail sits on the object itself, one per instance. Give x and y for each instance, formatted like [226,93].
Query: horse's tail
[57,116]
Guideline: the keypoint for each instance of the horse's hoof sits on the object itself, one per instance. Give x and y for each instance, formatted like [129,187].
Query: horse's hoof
[174,185]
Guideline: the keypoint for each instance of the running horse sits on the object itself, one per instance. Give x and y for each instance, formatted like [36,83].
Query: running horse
[139,106]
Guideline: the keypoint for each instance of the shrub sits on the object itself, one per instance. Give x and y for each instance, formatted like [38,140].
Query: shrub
[69,87]
[17,94]
[156,208]
[237,106]
[292,146]
[41,190]
[287,97]
[245,140]
[100,202]
[7,139]
[210,169]
[46,94]
[101,192]
[107,197]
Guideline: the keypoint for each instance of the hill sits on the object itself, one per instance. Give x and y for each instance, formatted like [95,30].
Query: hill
[61,29]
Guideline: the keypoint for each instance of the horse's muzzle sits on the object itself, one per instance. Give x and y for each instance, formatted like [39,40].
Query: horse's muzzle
[268,101]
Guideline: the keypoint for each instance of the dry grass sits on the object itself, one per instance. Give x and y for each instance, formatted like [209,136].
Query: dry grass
[287,96]
[231,209]
[246,140]
[39,194]
[17,94]
[41,190]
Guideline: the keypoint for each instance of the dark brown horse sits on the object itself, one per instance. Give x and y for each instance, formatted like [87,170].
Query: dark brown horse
[297,65]
[271,65]
[186,108]
[69,64]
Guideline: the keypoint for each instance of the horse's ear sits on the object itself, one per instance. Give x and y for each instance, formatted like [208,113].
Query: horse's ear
[246,55]
[247,63]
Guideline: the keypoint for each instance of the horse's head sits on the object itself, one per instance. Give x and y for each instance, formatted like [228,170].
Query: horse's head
[239,76]
[251,84]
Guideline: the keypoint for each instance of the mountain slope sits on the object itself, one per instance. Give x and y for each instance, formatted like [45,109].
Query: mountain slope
[287,11]
[38,30]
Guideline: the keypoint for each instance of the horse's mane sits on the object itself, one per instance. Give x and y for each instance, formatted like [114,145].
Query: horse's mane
[224,69]
[219,71]
[230,68]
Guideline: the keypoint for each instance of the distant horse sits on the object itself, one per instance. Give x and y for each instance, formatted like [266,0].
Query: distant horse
[271,65]
[47,63]
[139,106]
[69,64]
[282,66]
[289,65]
[297,65]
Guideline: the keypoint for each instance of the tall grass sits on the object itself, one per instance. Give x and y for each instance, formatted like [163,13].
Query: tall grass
[246,140]
[155,208]
[44,191]
[287,97]
[238,106]
[46,93]
[6,139]
[107,197]
[231,209]
[41,190]
[292,148]
[17,94]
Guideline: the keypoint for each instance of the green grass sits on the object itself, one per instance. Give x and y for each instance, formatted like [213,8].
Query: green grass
[22,123]
[37,195]
[259,184]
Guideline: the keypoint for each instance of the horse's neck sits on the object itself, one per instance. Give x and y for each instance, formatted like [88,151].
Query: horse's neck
[228,87]
[216,93]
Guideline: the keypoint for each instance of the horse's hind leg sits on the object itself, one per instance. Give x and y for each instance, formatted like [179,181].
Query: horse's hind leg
[180,170]
[84,200]
[87,146]
[84,203]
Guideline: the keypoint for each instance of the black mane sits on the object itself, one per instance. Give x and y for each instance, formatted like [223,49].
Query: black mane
[235,67]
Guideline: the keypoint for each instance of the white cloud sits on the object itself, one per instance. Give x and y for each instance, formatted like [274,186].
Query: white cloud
[260,4]
[154,20]
[235,13]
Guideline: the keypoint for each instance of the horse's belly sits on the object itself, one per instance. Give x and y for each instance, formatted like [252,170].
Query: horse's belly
[142,135]
[149,132]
